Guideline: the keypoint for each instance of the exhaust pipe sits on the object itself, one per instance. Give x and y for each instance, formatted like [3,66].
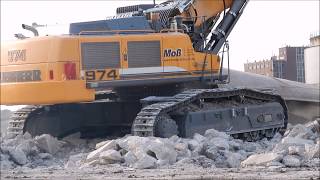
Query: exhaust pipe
[30,28]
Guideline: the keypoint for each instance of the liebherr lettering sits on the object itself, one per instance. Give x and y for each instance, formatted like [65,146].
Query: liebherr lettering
[21,76]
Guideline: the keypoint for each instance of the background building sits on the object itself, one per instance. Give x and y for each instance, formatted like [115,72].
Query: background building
[311,57]
[289,64]
[294,66]
[278,67]
[263,67]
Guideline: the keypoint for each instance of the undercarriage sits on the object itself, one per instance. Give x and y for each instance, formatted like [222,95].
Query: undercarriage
[242,113]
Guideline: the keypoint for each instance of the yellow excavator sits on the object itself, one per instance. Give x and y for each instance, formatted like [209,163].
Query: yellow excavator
[150,70]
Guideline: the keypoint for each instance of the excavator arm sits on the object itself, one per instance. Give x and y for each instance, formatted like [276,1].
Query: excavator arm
[198,18]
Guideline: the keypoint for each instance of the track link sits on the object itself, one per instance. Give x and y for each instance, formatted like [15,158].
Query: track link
[18,119]
[145,122]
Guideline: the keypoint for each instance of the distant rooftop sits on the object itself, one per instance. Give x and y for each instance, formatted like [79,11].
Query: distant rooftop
[314,34]
[315,39]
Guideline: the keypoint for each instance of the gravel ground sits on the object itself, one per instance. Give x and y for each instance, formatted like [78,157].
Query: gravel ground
[185,172]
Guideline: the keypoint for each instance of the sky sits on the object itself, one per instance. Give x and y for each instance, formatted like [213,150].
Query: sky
[265,25]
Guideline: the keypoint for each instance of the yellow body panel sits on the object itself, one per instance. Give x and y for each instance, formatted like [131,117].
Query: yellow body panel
[48,56]
[46,92]
[42,50]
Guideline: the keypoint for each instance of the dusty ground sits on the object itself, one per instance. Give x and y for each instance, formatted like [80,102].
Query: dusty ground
[187,172]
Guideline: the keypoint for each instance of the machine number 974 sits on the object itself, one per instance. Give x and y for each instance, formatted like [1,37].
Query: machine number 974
[101,74]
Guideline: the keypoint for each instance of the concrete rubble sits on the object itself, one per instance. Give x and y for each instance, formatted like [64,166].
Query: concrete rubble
[48,143]
[42,151]
[23,150]
[291,161]
[262,159]
[299,147]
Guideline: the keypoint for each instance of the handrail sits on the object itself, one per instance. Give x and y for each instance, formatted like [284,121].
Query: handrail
[116,31]
[171,30]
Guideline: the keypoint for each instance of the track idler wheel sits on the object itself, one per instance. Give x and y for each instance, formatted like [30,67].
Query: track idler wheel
[165,127]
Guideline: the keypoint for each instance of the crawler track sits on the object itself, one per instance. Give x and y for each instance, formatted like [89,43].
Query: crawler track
[18,119]
[146,120]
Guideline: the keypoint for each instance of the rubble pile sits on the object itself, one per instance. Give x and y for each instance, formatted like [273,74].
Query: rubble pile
[40,151]
[299,147]
[23,150]
[213,149]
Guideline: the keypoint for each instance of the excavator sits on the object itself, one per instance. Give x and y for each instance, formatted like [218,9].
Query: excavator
[150,70]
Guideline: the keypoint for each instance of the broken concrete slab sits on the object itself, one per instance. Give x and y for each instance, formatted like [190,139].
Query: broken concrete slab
[183,154]
[235,144]
[131,143]
[75,160]
[174,138]
[18,156]
[45,156]
[123,152]
[211,152]
[130,158]
[220,143]
[182,150]
[6,163]
[261,159]
[163,150]
[75,139]
[281,148]
[301,131]
[102,143]
[314,125]
[233,159]
[181,146]
[212,133]
[249,146]
[94,162]
[199,137]
[193,144]
[145,162]
[312,162]
[183,161]
[47,143]
[108,146]
[296,150]
[92,156]
[110,156]
[295,141]
[312,151]
[29,147]
[291,161]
